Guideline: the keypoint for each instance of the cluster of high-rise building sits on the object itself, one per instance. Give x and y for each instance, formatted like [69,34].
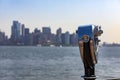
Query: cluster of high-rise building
[20,35]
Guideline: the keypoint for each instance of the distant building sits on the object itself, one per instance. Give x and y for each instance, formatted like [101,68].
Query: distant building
[73,39]
[53,39]
[105,44]
[37,31]
[27,31]
[46,30]
[46,33]
[27,37]
[3,38]
[16,32]
[65,38]
[37,39]
[23,30]
[58,36]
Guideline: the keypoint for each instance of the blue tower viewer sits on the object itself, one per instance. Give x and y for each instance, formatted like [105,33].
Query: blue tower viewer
[88,42]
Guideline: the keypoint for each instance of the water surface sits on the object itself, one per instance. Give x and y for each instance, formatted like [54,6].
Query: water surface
[54,63]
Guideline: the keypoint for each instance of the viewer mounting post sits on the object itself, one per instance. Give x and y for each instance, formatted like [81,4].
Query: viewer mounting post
[88,42]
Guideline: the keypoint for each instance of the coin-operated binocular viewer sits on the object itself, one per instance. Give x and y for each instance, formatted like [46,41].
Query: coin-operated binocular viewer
[88,42]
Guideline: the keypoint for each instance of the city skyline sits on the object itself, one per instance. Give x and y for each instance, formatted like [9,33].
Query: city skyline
[67,14]
[38,27]
[21,36]
[23,24]
[42,30]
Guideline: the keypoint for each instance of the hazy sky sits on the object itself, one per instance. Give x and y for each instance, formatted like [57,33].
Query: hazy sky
[67,14]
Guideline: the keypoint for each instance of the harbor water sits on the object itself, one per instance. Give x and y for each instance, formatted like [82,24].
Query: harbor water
[54,63]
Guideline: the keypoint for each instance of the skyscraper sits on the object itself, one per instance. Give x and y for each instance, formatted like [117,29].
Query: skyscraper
[46,31]
[16,30]
[58,36]
[27,37]
[67,38]
[37,37]
[23,30]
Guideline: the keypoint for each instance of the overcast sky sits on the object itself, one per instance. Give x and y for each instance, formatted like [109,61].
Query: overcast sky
[67,14]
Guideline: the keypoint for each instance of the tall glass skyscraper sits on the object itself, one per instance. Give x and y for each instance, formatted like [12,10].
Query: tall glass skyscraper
[16,30]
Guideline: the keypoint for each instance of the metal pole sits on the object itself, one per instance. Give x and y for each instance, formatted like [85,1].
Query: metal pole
[89,66]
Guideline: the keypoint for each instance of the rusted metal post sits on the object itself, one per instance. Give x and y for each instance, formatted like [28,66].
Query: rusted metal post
[89,66]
